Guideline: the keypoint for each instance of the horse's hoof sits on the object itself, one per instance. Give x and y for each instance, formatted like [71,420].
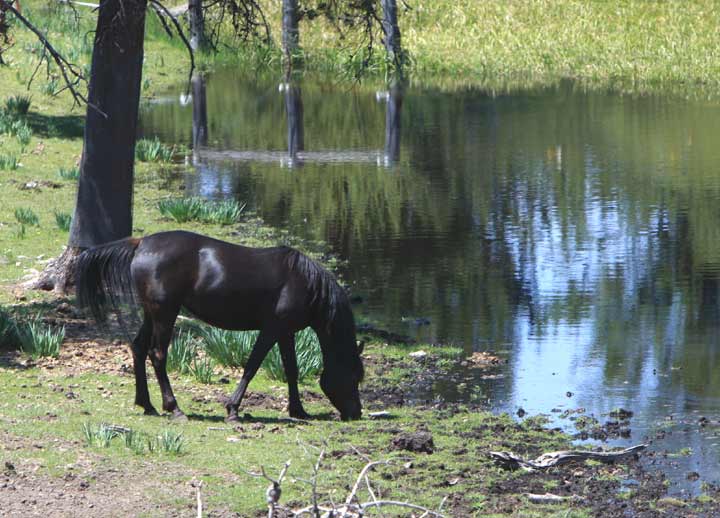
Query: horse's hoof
[177,415]
[151,411]
[299,414]
[232,418]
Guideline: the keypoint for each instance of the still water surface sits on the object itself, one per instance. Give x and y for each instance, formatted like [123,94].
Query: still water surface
[575,233]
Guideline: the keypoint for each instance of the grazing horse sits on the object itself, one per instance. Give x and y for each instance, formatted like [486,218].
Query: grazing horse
[275,290]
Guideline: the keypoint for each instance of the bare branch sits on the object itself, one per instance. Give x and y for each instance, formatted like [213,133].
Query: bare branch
[160,8]
[70,72]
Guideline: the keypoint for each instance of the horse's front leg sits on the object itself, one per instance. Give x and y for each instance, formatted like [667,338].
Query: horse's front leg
[162,334]
[262,346]
[289,360]
[139,348]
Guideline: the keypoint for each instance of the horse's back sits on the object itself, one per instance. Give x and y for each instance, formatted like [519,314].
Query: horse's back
[227,285]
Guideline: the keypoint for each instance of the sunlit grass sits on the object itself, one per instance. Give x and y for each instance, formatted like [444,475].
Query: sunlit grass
[152,150]
[224,212]
[39,340]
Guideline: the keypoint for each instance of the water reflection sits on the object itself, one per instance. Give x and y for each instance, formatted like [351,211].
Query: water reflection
[295,121]
[576,231]
[199,112]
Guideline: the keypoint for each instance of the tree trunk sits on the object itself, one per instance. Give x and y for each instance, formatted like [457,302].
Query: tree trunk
[290,31]
[391,32]
[103,211]
[197,25]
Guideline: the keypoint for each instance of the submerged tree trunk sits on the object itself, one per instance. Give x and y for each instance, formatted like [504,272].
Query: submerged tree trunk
[290,31]
[391,32]
[392,124]
[199,111]
[295,120]
[103,211]
[196,20]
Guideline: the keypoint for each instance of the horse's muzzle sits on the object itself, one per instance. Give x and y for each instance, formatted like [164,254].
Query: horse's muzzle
[352,414]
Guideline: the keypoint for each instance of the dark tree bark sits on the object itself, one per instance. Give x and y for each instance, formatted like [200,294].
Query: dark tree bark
[196,19]
[290,30]
[103,211]
[391,32]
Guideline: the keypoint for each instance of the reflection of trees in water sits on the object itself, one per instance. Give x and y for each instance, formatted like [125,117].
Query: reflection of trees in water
[559,207]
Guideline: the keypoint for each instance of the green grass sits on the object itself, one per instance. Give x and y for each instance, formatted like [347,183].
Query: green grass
[27,216]
[137,446]
[181,210]
[9,162]
[307,351]
[152,150]
[228,348]
[182,353]
[69,173]
[39,340]
[17,106]
[203,369]
[63,221]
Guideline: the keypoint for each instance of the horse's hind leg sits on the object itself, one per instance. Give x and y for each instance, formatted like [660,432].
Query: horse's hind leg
[262,346]
[140,347]
[161,335]
[289,360]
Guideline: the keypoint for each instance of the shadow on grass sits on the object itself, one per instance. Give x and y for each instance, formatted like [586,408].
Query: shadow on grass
[248,418]
[56,126]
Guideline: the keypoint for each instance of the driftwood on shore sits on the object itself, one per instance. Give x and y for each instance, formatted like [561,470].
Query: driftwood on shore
[510,460]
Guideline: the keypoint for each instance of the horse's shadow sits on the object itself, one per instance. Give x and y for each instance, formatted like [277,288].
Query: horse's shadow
[248,418]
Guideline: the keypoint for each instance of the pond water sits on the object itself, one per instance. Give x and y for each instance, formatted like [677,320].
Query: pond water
[576,234]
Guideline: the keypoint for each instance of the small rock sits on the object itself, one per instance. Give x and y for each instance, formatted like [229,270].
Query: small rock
[418,354]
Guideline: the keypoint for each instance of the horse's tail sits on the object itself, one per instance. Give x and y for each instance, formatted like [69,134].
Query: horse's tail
[103,280]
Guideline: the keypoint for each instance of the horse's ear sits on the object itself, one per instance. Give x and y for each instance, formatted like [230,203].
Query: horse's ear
[361,346]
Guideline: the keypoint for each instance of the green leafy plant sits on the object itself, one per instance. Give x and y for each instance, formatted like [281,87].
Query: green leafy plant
[63,221]
[27,216]
[70,173]
[152,150]
[8,162]
[22,133]
[228,348]
[39,340]
[17,106]
[182,352]
[224,212]
[170,441]
[308,354]
[203,369]
[180,209]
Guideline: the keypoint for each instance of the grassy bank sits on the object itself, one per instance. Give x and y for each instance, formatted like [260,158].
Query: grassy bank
[69,430]
[630,45]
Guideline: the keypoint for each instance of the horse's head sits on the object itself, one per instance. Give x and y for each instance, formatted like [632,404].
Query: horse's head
[340,380]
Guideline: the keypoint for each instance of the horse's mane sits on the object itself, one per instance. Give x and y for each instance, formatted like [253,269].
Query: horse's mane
[329,299]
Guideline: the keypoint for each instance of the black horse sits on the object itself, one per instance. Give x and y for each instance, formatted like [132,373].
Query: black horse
[275,290]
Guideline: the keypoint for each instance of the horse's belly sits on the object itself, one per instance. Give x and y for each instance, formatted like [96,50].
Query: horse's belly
[224,312]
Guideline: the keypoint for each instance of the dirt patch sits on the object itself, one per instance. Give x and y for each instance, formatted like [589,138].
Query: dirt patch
[85,489]
[417,442]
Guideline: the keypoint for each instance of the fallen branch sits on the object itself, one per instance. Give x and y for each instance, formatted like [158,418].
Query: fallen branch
[510,460]
[352,508]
